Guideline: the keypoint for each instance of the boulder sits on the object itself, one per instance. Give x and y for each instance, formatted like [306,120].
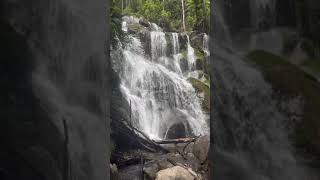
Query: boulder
[183,41]
[184,64]
[134,28]
[196,40]
[151,170]
[201,148]
[176,131]
[144,22]
[164,164]
[174,173]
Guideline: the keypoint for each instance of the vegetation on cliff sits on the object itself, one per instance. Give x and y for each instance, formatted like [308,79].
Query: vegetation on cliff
[290,80]
[172,15]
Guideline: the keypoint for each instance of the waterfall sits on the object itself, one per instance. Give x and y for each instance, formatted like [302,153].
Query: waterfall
[249,131]
[205,44]
[176,52]
[158,44]
[250,137]
[191,55]
[175,42]
[160,95]
[155,27]
[220,26]
[124,26]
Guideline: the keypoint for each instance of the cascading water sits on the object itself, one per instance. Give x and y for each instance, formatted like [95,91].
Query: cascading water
[175,42]
[191,55]
[251,141]
[158,44]
[205,44]
[160,95]
[176,52]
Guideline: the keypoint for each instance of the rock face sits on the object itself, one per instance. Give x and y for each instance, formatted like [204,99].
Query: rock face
[174,173]
[151,170]
[55,119]
[178,130]
[201,148]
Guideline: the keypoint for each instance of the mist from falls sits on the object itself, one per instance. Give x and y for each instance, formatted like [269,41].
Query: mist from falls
[250,138]
[159,92]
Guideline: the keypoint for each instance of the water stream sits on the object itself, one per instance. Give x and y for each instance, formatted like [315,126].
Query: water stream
[160,94]
[251,141]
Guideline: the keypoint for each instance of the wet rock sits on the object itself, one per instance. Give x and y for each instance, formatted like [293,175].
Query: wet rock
[169,44]
[200,64]
[174,173]
[134,28]
[164,164]
[183,41]
[176,131]
[144,22]
[189,148]
[184,64]
[151,170]
[146,41]
[196,40]
[201,148]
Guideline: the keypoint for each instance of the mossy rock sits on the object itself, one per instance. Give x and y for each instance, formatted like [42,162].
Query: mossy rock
[292,81]
[134,28]
[202,87]
[313,64]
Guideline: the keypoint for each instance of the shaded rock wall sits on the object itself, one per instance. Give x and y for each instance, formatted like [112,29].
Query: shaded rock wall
[54,71]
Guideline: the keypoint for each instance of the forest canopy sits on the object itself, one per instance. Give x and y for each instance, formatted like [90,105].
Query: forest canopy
[171,15]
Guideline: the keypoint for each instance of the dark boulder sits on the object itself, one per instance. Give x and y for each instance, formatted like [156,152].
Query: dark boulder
[144,22]
[176,131]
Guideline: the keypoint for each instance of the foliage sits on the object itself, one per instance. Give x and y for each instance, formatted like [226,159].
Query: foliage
[202,87]
[168,13]
[117,35]
[198,13]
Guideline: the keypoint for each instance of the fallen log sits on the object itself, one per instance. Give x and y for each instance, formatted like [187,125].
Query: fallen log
[176,141]
[126,134]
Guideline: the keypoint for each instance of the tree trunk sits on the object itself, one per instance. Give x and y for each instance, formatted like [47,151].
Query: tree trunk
[183,16]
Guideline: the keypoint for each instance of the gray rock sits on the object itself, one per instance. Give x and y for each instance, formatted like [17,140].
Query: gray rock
[144,22]
[196,40]
[174,173]
[164,164]
[151,170]
[201,148]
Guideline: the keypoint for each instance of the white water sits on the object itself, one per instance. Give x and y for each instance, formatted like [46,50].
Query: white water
[158,44]
[191,55]
[251,141]
[205,44]
[159,93]
[175,42]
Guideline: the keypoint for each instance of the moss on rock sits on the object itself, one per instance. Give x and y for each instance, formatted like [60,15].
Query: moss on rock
[290,80]
[134,28]
[202,87]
